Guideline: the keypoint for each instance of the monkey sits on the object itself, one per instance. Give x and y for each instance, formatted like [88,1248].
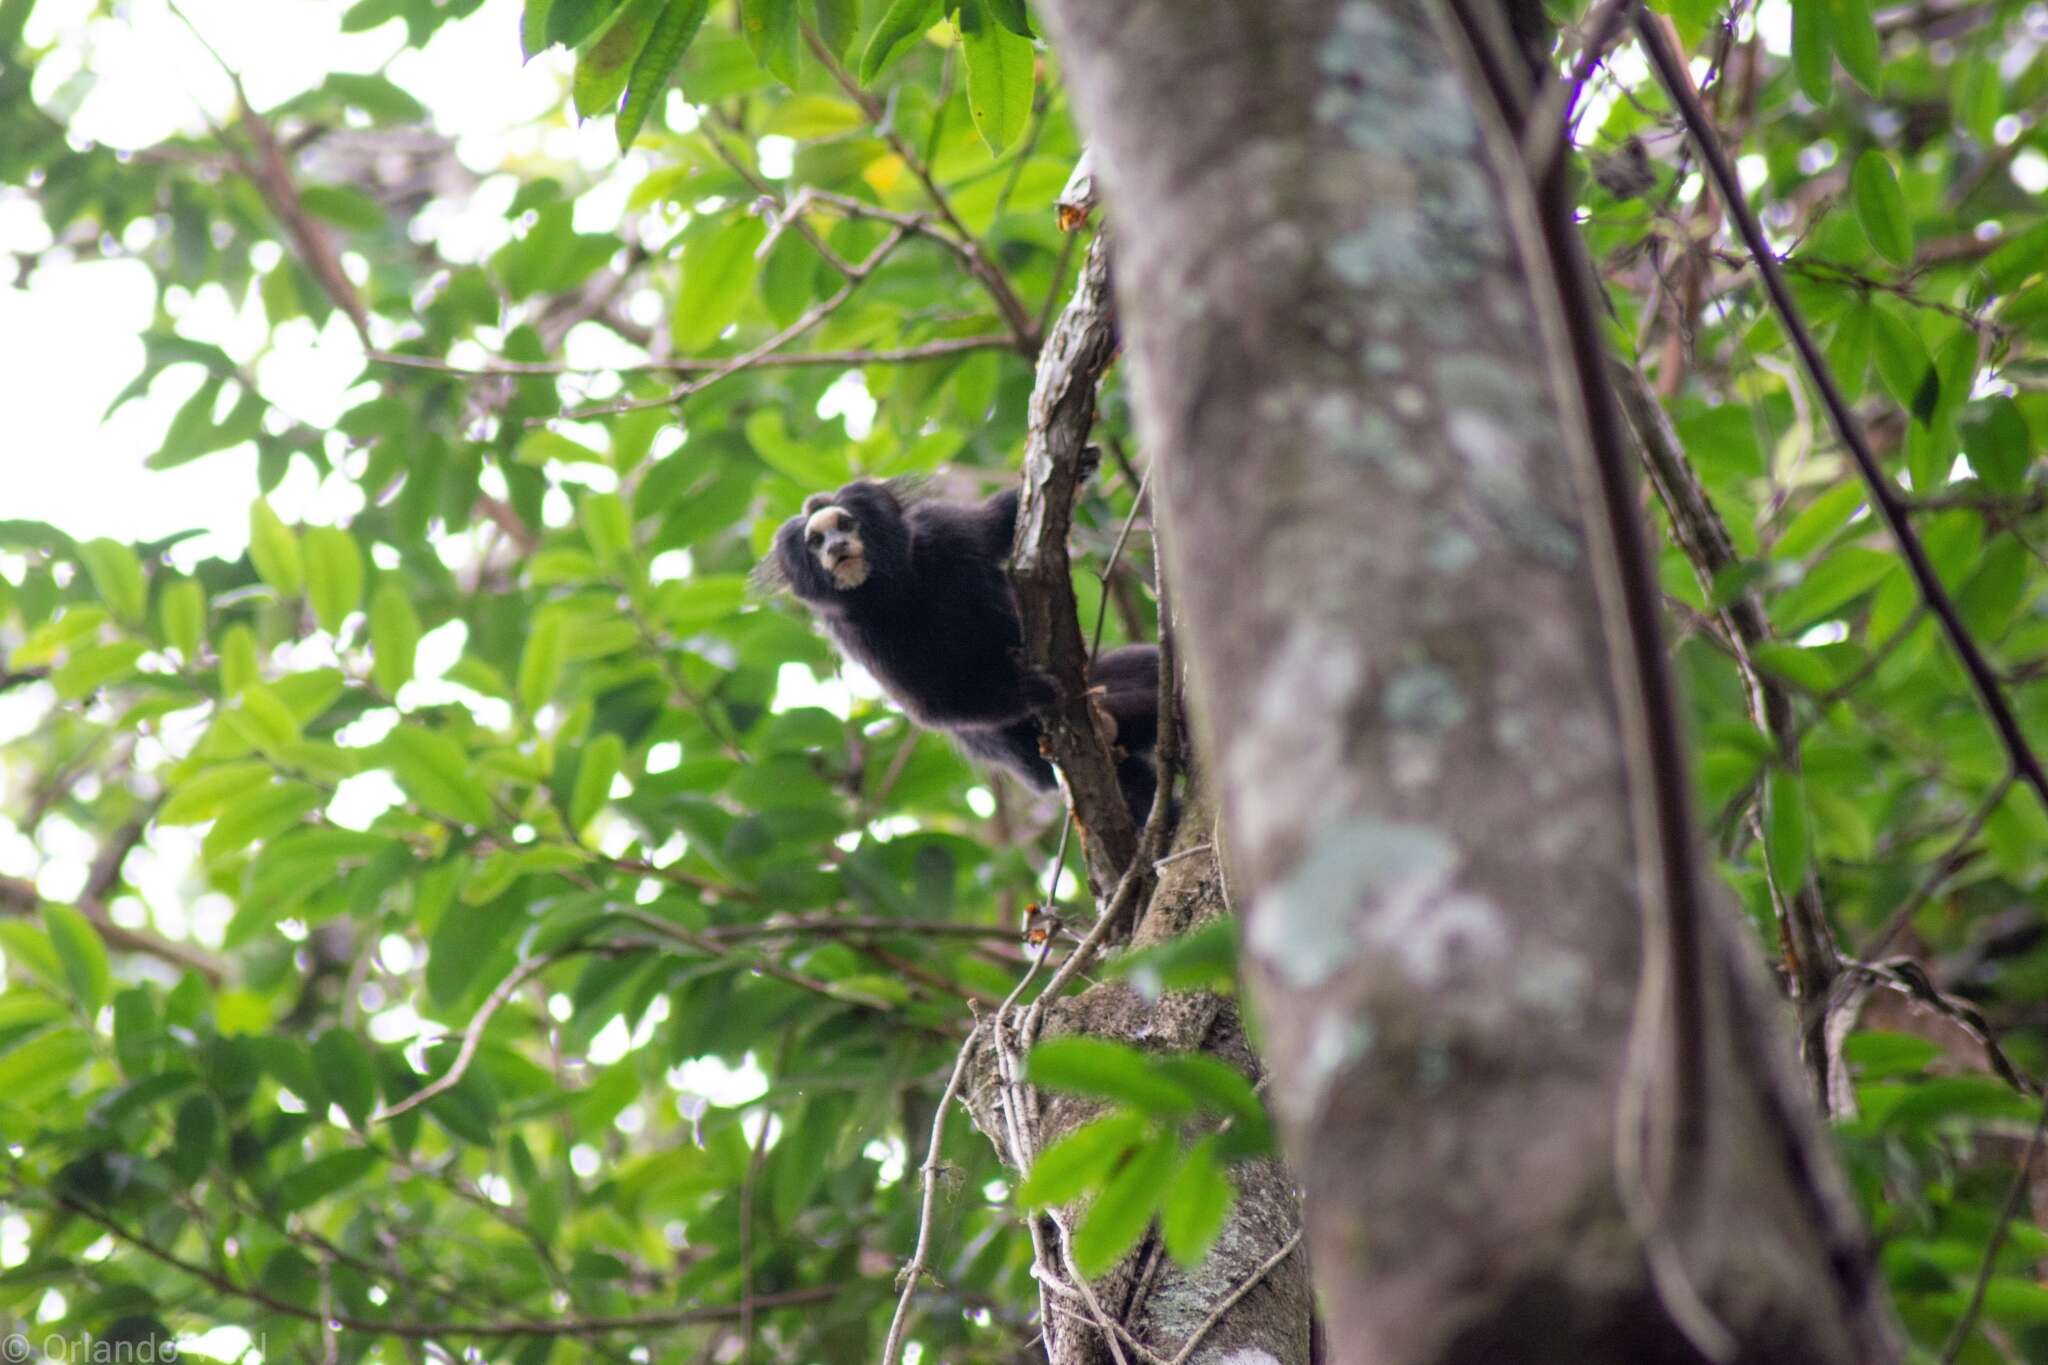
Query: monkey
[915,592]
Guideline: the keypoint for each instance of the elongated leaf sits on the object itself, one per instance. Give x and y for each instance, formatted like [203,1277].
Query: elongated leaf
[1124,1209]
[1001,69]
[540,662]
[678,24]
[347,1072]
[771,28]
[324,1176]
[1107,1070]
[334,575]
[117,578]
[903,21]
[181,614]
[1903,363]
[594,774]
[274,550]
[606,60]
[1999,444]
[1196,1205]
[436,772]
[84,956]
[1881,207]
[838,24]
[1813,50]
[1854,33]
[394,637]
[1081,1160]
[1786,841]
[719,269]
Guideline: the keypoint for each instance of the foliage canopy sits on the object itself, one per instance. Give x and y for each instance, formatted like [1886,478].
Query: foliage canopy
[471,916]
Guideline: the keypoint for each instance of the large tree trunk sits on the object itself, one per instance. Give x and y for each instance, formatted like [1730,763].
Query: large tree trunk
[1537,1109]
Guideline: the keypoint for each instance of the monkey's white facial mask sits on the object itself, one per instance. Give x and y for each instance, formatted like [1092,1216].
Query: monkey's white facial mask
[834,541]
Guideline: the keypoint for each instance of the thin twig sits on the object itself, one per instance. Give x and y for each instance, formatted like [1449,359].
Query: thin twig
[2017,1191]
[811,317]
[899,355]
[473,1036]
[1944,867]
[979,264]
[510,1327]
[919,1264]
[1229,1301]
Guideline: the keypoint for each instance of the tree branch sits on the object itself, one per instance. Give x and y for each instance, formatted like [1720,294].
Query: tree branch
[1071,364]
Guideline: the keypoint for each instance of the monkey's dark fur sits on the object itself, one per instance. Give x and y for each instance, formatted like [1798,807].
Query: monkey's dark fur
[915,592]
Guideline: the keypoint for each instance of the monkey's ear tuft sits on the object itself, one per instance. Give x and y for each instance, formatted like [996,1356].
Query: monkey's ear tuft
[817,500]
[768,576]
[908,489]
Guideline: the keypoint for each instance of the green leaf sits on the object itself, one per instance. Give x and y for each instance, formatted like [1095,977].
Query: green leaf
[903,21]
[1903,363]
[264,720]
[838,24]
[347,1072]
[436,772]
[1124,1209]
[540,445]
[1876,1054]
[334,575]
[594,774]
[1855,37]
[94,666]
[344,206]
[1999,444]
[323,1176]
[84,956]
[1821,518]
[570,22]
[771,29]
[1010,14]
[719,269]
[1978,100]
[261,813]
[1197,1204]
[240,664]
[607,525]
[679,22]
[1081,1160]
[274,550]
[394,637]
[1844,575]
[460,947]
[1786,841]
[540,662]
[117,578]
[1001,69]
[1107,1070]
[1215,1084]
[1881,207]
[181,614]
[205,794]
[605,62]
[1813,53]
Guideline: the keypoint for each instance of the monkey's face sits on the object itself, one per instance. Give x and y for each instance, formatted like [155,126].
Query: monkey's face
[832,538]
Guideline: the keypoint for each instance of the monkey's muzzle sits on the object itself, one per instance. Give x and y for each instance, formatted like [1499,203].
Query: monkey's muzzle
[835,540]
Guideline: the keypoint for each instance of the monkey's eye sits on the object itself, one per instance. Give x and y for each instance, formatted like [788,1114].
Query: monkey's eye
[815,539]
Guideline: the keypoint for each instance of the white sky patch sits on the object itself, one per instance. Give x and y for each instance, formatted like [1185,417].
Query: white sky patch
[848,397]
[140,77]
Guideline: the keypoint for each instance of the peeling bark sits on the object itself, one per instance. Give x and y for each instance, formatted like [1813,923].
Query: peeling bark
[1411,683]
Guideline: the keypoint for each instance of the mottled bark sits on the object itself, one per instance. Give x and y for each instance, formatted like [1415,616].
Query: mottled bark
[1445,800]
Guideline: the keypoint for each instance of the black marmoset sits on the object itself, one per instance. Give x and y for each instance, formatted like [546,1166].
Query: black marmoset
[915,592]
